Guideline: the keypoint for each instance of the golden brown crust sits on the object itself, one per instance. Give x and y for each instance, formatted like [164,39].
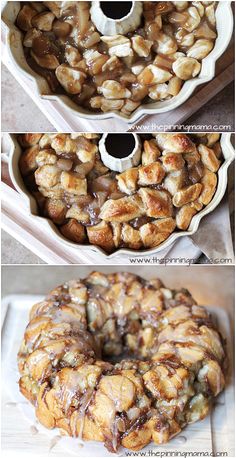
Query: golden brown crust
[153,234]
[151,152]
[122,210]
[127,181]
[55,210]
[27,162]
[73,184]
[101,235]
[131,237]
[47,176]
[74,231]
[116,228]
[187,195]
[26,140]
[185,214]
[151,174]
[176,143]
[209,158]
[172,162]
[157,203]
[209,183]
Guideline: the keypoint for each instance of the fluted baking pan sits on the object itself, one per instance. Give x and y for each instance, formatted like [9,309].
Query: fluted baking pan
[13,160]
[224,26]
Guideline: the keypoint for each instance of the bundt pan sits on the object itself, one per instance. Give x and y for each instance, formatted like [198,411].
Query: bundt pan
[224,27]
[13,159]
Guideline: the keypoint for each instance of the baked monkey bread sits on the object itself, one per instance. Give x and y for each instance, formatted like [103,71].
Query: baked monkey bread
[121,360]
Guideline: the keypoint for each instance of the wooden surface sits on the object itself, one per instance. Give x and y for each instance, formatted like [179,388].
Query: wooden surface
[214,434]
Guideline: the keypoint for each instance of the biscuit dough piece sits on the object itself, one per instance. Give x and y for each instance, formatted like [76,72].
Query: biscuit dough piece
[185,214]
[156,203]
[187,195]
[101,235]
[122,210]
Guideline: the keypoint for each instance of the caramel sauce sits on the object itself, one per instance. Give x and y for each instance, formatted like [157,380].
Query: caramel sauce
[55,42]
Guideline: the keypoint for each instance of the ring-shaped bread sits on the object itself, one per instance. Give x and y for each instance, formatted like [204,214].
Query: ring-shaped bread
[69,373]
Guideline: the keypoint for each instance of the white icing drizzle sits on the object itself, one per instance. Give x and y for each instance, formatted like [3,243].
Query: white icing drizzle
[54,442]
[84,405]
[63,324]
[181,439]
[15,404]
[33,430]
[115,432]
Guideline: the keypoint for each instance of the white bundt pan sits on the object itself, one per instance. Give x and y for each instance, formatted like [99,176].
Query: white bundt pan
[13,159]
[224,26]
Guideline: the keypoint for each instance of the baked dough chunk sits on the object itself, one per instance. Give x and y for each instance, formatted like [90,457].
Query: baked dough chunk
[86,150]
[151,152]
[209,183]
[47,176]
[26,140]
[27,162]
[61,143]
[73,184]
[131,237]
[150,174]
[101,235]
[116,228]
[187,195]
[156,203]
[209,158]
[74,231]
[175,143]
[212,139]
[122,210]
[172,162]
[127,181]
[46,140]
[175,181]
[55,210]
[185,214]
[152,234]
